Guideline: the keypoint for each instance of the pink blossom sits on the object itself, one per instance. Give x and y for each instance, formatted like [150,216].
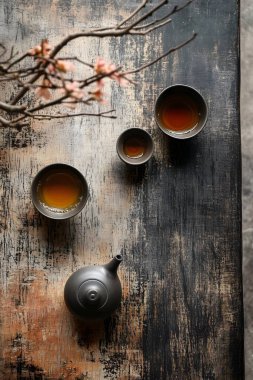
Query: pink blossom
[42,50]
[100,66]
[51,68]
[100,84]
[120,79]
[110,68]
[46,48]
[35,50]
[44,92]
[72,89]
[98,95]
[64,65]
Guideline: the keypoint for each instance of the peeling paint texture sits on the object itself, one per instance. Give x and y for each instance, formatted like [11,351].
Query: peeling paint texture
[176,221]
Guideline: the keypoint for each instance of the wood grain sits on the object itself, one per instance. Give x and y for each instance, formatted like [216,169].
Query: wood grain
[177,221]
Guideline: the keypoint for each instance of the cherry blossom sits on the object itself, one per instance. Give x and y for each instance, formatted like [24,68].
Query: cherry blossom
[120,79]
[100,66]
[64,66]
[98,95]
[36,50]
[42,50]
[43,91]
[72,89]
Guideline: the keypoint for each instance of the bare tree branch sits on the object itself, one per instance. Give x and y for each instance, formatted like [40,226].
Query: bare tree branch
[113,32]
[8,123]
[49,72]
[145,16]
[9,108]
[4,122]
[173,11]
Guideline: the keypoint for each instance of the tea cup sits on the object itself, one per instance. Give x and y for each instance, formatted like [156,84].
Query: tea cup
[180,111]
[135,146]
[59,191]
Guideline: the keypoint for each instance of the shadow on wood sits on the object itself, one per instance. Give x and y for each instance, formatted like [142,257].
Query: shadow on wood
[181,152]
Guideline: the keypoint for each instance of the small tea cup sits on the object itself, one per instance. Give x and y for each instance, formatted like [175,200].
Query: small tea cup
[46,179]
[193,107]
[135,146]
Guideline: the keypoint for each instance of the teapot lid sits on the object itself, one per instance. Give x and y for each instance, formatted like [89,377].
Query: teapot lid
[92,294]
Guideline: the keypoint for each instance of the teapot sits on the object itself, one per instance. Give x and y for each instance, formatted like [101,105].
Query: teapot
[94,292]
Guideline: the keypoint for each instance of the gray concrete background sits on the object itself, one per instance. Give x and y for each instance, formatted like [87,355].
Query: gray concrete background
[247,175]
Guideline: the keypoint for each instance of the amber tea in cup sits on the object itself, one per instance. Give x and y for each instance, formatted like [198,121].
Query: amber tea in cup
[135,146]
[180,111]
[59,191]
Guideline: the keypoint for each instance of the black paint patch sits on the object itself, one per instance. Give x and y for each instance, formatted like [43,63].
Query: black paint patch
[112,365]
[22,138]
[17,341]
[25,370]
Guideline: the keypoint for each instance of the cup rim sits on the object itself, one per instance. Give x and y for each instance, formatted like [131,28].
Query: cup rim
[52,215]
[140,160]
[191,132]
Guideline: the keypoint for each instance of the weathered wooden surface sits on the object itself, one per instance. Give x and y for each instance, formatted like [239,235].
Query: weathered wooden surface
[177,221]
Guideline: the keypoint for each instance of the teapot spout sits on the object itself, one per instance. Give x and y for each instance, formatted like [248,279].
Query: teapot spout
[112,266]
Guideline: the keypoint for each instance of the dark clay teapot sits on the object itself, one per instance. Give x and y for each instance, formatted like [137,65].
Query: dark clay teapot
[94,292]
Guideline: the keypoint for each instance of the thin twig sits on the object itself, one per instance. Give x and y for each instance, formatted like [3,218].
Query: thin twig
[24,90]
[145,16]
[151,28]
[173,11]
[26,70]
[4,50]
[66,115]
[161,56]
[10,57]
[14,77]
[76,59]
[142,5]
[17,60]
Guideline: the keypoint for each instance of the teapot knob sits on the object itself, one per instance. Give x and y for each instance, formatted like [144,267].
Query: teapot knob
[92,294]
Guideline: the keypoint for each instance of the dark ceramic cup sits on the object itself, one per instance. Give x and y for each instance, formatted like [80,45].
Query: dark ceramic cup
[196,104]
[135,146]
[55,212]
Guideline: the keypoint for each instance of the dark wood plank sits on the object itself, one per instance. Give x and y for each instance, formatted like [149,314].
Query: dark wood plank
[177,221]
